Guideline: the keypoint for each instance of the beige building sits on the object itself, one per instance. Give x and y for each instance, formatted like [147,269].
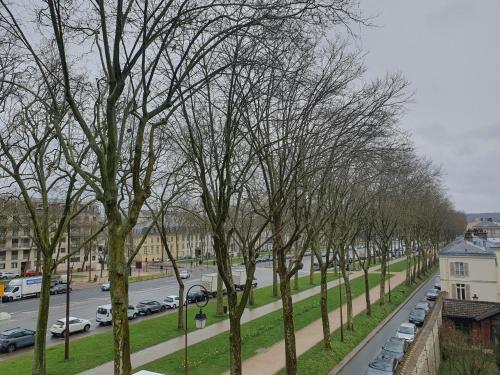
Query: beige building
[184,241]
[470,269]
[18,251]
[486,225]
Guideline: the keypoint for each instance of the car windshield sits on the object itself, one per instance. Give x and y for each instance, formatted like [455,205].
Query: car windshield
[169,299]
[59,323]
[393,346]
[381,365]
[2,336]
[421,306]
[9,288]
[418,313]
[100,310]
[406,330]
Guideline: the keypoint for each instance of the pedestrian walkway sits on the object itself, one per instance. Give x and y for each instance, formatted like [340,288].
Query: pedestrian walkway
[152,353]
[272,359]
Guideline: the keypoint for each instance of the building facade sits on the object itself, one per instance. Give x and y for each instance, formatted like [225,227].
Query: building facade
[18,250]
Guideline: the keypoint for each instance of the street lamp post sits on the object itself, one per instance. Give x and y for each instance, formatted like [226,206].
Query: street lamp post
[200,319]
[66,330]
[341,316]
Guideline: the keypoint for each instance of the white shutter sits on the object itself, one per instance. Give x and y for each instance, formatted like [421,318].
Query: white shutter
[466,269]
[454,291]
[467,292]
[452,269]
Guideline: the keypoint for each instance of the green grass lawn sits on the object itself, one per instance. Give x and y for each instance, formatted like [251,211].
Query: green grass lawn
[91,351]
[317,361]
[212,356]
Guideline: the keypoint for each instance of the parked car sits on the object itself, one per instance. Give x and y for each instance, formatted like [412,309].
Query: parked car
[8,275]
[105,286]
[407,331]
[437,283]
[417,317]
[104,316]
[30,273]
[382,365]
[395,347]
[196,296]
[184,274]
[432,294]
[147,307]
[425,306]
[59,288]
[15,338]
[75,325]
[172,302]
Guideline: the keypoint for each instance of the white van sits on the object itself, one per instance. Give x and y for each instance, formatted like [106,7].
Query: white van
[103,315]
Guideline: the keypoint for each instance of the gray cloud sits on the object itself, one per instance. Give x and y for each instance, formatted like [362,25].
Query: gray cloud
[449,52]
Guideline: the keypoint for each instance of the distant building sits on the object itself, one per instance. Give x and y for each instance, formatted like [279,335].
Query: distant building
[486,225]
[18,251]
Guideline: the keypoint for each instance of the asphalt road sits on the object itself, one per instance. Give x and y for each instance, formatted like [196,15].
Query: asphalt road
[360,361]
[84,302]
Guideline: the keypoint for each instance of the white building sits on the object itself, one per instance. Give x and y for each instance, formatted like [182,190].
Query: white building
[470,269]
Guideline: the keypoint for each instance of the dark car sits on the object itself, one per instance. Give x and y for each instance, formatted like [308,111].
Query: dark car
[395,347]
[432,294]
[147,307]
[382,365]
[196,296]
[426,306]
[15,338]
[59,288]
[417,317]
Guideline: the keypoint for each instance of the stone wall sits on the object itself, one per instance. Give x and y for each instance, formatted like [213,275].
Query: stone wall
[424,356]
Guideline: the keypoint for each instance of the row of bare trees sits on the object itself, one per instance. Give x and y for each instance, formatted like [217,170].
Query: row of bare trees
[245,113]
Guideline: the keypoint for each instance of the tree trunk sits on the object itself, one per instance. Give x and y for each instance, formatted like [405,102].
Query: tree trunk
[311,269]
[234,334]
[251,298]
[275,273]
[324,309]
[348,295]
[383,272]
[367,292]
[408,262]
[180,312]
[290,348]
[118,277]
[39,360]
[220,296]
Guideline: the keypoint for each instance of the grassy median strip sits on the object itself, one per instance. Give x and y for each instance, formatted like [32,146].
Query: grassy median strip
[212,356]
[317,361]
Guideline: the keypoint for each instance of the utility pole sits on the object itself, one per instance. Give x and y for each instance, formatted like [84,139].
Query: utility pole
[66,330]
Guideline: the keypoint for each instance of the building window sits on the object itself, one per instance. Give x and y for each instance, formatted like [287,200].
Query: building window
[15,243]
[461,291]
[63,249]
[2,266]
[13,255]
[26,254]
[93,257]
[25,242]
[2,255]
[13,265]
[459,269]
[463,326]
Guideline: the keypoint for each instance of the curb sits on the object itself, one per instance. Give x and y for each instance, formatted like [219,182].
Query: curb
[368,338]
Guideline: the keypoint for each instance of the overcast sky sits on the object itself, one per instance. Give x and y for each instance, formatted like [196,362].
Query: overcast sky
[449,50]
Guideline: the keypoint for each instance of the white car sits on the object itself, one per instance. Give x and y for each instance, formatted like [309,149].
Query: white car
[105,287]
[184,274]
[75,325]
[104,316]
[407,331]
[8,275]
[172,302]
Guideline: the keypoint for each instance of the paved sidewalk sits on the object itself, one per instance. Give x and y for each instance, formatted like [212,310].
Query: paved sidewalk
[272,359]
[152,353]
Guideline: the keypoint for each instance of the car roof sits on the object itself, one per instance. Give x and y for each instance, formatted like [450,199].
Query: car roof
[11,330]
[104,306]
[64,319]
[173,296]
[398,339]
[407,324]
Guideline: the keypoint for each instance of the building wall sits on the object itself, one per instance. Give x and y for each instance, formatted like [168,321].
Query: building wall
[482,276]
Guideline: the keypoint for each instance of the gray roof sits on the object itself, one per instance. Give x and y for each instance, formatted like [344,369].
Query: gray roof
[460,247]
